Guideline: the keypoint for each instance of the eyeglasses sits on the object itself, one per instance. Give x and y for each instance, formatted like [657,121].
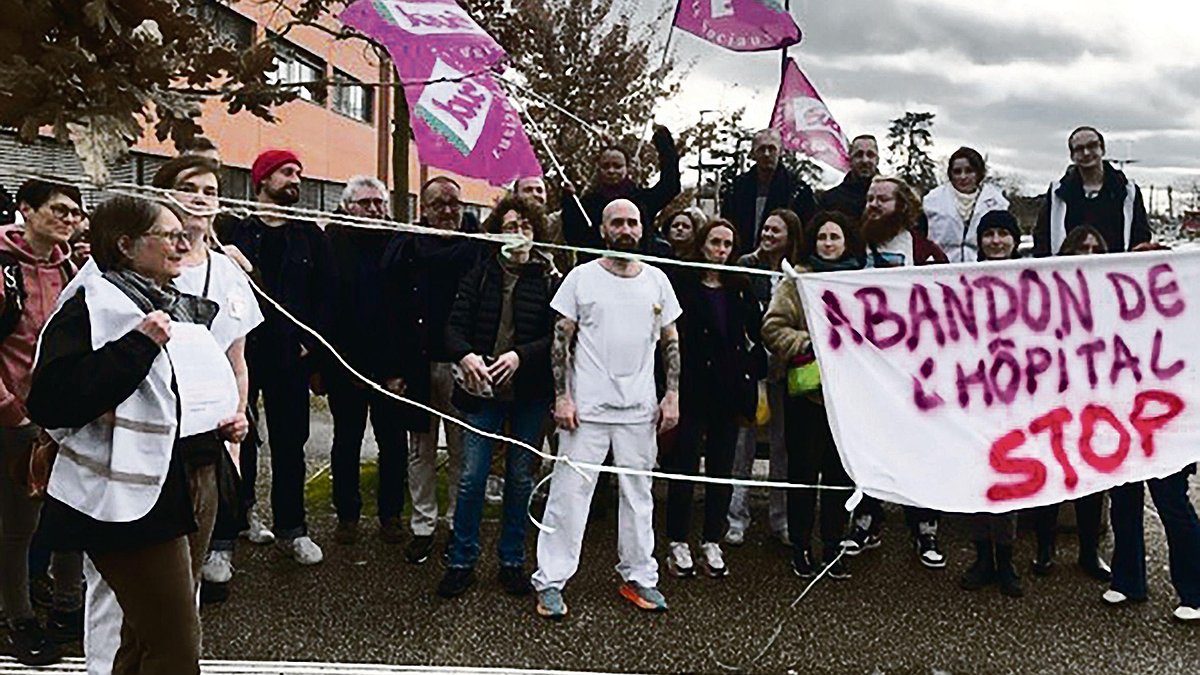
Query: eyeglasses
[370,201]
[174,237]
[63,212]
[442,205]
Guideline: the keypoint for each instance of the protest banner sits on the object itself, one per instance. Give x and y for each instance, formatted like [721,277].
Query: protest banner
[462,121]
[739,25]
[1007,385]
[804,121]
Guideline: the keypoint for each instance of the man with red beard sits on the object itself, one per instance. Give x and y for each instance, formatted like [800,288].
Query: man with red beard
[892,211]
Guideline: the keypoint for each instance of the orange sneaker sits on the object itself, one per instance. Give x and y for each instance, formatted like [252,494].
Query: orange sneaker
[648,599]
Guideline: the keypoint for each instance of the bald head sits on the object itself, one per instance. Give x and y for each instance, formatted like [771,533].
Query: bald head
[621,225]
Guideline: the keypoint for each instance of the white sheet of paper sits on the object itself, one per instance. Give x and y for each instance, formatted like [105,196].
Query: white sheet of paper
[207,387]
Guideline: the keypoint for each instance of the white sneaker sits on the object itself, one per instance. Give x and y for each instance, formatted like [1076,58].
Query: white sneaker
[679,560]
[493,493]
[735,537]
[1187,614]
[257,532]
[217,567]
[713,559]
[303,550]
[1114,597]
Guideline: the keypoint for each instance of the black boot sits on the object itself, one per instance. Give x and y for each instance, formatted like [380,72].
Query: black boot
[1006,574]
[983,571]
[1043,564]
[1093,565]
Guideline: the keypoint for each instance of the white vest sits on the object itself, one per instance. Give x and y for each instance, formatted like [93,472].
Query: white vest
[113,468]
[959,240]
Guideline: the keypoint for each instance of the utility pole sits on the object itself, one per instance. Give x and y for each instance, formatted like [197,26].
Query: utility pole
[400,136]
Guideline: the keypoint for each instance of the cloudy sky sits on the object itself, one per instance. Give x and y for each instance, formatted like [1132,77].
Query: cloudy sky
[1010,78]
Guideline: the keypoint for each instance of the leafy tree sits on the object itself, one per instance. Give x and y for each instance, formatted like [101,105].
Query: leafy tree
[910,138]
[98,72]
[600,59]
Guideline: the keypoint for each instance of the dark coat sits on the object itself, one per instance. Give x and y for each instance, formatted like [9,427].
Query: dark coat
[848,197]
[720,369]
[475,320]
[785,191]
[306,285]
[421,275]
[1106,212]
[650,201]
[359,308]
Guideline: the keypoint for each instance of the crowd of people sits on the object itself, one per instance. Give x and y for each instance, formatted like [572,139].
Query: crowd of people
[146,315]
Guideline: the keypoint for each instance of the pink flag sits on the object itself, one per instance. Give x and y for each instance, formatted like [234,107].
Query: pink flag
[462,121]
[805,123]
[740,25]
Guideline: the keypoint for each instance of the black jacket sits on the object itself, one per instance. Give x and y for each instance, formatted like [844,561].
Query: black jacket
[848,197]
[650,201]
[73,385]
[785,191]
[421,275]
[359,308]
[721,366]
[475,320]
[306,285]
[1106,212]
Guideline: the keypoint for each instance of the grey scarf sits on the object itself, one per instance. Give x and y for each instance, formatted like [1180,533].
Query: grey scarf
[149,297]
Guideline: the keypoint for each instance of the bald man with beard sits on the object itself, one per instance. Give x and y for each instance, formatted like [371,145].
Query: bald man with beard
[612,312]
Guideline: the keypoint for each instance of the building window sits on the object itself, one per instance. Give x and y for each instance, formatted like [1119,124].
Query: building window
[352,99]
[294,65]
[230,28]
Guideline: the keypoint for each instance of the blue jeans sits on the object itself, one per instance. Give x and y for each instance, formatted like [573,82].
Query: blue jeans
[1183,536]
[525,420]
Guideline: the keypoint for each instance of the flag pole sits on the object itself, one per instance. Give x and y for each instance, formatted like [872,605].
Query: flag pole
[663,64]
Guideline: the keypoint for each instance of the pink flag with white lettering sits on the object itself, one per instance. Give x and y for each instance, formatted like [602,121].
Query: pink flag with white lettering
[740,25]
[462,120]
[805,123]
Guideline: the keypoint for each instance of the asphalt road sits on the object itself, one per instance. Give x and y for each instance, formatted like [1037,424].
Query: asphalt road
[364,604]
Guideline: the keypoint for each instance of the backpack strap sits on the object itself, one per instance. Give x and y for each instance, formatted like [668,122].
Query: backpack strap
[13,281]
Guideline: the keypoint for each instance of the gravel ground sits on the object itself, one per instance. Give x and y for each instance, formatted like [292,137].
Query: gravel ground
[365,604]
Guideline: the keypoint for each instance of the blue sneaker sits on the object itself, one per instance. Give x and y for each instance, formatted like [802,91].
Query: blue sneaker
[550,604]
[649,599]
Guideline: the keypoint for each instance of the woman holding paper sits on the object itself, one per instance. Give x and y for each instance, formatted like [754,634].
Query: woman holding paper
[812,454]
[994,533]
[128,423]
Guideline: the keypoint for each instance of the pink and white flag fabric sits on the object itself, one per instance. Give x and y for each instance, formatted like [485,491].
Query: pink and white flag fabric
[462,120]
[805,123]
[740,25]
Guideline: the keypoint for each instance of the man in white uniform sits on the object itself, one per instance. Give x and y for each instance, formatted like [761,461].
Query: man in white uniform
[613,312]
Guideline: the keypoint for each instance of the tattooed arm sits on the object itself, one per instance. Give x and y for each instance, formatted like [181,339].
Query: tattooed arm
[562,355]
[669,408]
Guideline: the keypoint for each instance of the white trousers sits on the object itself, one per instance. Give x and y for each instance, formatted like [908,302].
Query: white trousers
[633,446]
[422,457]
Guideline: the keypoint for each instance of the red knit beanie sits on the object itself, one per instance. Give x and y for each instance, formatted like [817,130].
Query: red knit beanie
[267,162]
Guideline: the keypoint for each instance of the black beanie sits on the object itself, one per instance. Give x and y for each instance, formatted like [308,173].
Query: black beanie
[999,220]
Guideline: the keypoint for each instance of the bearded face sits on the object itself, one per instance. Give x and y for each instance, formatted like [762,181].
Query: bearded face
[884,216]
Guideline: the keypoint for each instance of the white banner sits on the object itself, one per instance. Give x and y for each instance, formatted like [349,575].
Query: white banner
[1005,385]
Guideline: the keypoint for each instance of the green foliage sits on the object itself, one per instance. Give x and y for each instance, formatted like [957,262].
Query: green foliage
[909,140]
[599,59]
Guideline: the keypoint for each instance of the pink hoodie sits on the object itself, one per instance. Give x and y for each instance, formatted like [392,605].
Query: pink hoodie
[44,280]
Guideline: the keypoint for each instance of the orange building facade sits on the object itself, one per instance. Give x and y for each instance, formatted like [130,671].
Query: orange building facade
[347,134]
